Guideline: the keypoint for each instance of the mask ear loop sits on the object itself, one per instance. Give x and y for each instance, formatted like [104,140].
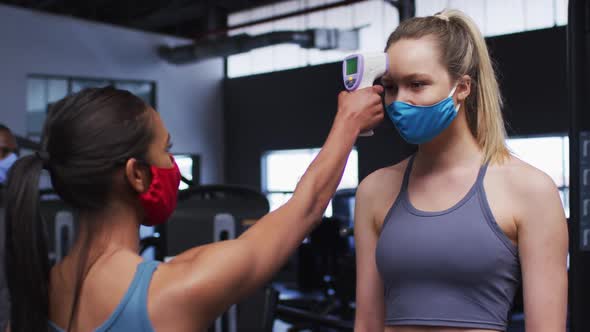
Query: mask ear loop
[453,90]
[451,96]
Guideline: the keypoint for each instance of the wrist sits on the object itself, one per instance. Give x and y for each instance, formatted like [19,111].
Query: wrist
[347,125]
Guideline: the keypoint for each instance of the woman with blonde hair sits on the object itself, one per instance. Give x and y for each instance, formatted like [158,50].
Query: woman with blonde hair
[445,237]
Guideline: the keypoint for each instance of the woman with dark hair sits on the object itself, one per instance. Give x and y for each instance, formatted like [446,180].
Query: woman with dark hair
[108,157]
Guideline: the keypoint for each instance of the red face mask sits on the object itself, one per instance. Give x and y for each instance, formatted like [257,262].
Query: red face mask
[159,201]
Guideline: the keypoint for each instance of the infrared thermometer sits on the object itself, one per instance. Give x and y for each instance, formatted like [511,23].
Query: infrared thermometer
[361,70]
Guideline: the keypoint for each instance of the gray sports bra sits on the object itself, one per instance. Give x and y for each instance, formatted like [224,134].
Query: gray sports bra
[452,268]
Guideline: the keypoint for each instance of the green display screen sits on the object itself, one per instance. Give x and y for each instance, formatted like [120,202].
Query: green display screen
[351,66]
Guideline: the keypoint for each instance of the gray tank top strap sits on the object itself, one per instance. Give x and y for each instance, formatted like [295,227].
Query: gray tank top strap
[407,173]
[489,216]
[481,175]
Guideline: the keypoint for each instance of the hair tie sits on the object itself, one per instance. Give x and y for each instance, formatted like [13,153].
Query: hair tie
[442,17]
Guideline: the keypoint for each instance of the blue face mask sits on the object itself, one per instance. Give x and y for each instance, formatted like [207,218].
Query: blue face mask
[420,124]
[5,165]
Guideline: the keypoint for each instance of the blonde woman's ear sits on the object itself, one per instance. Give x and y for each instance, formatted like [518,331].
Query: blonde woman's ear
[464,88]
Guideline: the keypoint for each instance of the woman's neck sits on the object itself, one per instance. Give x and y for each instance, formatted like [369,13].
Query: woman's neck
[455,146]
[113,229]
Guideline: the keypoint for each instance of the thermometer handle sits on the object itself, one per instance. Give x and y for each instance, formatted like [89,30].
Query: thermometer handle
[370,132]
[367,133]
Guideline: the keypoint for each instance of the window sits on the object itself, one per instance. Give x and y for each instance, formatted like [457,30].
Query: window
[282,170]
[44,90]
[550,154]
[188,164]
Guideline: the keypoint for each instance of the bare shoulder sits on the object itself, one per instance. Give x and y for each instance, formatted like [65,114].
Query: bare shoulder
[523,178]
[170,294]
[195,281]
[377,192]
[194,269]
[532,190]
[383,179]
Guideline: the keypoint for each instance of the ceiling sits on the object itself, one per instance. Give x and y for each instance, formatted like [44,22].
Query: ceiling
[185,18]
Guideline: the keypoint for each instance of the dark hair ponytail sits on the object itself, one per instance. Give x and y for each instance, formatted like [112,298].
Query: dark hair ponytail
[27,266]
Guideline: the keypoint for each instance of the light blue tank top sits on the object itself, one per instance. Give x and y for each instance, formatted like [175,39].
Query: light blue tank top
[452,268]
[131,314]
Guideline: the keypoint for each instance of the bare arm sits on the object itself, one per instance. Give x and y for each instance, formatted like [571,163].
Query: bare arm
[369,287]
[543,249]
[222,273]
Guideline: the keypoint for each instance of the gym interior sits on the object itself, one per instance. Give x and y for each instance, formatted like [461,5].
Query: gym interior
[248,90]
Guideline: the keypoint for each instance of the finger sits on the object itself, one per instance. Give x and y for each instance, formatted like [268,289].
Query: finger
[379,110]
[377,99]
[377,89]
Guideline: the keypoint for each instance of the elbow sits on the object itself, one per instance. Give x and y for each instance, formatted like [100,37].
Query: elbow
[368,321]
[361,325]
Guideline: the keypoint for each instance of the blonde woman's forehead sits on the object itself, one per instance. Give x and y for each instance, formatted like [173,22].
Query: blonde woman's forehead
[414,57]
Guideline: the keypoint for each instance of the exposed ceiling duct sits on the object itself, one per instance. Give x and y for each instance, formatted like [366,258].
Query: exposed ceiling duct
[182,18]
[322,39]
[193,19]
[210,44]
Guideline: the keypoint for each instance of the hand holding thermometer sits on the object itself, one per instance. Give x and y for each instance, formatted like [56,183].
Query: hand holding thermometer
[360,71]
